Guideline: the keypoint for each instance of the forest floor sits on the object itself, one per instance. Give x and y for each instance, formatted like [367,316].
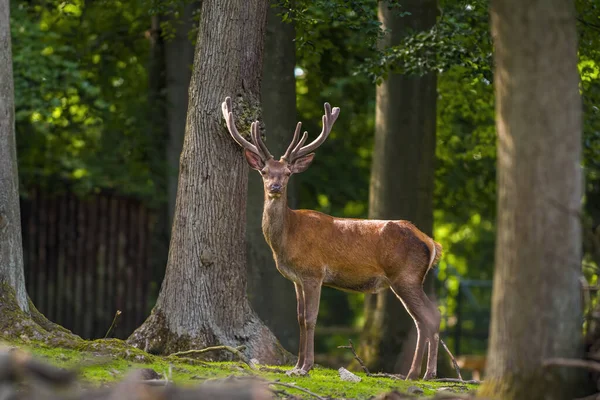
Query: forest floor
[96,367]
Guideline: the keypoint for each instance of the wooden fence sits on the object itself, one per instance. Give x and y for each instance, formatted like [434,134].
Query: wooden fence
[87,258]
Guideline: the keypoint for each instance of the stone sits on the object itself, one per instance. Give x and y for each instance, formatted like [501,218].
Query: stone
[348,376]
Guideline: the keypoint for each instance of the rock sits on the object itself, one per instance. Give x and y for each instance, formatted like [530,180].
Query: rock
[348,376]
[414,390]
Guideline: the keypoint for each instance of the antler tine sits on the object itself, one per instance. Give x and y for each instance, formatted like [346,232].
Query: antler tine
[228,115]
[329,119]
[258,140]
[292,145]
[299,145]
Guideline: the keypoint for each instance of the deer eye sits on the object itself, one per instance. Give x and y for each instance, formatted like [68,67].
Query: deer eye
[263,172]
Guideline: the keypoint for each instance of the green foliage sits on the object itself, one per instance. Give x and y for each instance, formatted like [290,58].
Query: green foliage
[465,191]
[82,99]
[312,18]
[458,38]
[339,185]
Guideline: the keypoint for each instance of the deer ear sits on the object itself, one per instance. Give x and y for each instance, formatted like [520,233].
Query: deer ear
[254,160]
[302,163]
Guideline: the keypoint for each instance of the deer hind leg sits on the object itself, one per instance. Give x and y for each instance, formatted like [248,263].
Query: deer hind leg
[427,320]
[434,342]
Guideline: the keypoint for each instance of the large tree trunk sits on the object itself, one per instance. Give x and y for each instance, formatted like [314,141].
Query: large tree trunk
[11,247]
[203,298]
[272,296]
[402,178]
[536,305]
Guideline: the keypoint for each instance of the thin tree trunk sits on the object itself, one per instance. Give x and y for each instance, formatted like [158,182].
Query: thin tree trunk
[272,296]
[402,178]
[11,247]
[203,299]
[536,304]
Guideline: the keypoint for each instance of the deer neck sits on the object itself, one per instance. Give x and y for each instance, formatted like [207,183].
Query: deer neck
[275,220]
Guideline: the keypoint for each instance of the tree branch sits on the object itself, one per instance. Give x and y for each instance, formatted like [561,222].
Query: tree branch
[572,362]
[234,350]
[456,368]
[356,357]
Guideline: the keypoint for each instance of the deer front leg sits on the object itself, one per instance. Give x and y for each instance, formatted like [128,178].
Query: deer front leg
[302,326]
[312,295]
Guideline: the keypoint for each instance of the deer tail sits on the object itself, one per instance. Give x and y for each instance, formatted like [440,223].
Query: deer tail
[436,254]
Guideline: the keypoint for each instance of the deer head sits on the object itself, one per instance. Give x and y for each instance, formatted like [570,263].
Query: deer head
[297,158]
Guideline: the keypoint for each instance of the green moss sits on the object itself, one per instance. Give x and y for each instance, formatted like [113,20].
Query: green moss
[108,360]
[156,338]
[16,325]
[101,368]
[246,110]
[117,349]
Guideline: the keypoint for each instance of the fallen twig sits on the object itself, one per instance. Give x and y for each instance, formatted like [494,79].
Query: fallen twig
[192,361]
[356,357]
[456,368]
[455,380]
[114,323]
[572,362]
[234,350]
[399,377]
[274,370]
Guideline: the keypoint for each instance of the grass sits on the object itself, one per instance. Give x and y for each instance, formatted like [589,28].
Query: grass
[99,370]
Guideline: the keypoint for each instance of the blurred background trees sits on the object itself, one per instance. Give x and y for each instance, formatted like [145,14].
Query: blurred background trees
[98,118]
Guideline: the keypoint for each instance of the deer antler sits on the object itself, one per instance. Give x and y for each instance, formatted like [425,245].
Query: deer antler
[260,148]
[297,149]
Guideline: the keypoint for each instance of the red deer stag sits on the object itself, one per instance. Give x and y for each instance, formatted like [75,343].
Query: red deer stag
[313,249]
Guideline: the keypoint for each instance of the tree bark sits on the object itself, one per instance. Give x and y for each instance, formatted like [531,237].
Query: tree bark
[203,299]
[11,247]
[272,296]
[402,177]
[536,304]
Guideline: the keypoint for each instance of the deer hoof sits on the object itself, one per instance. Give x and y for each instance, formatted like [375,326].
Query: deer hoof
[429,376]
[412,376]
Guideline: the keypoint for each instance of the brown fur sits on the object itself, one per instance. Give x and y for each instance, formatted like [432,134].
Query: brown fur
[353,255]
[314,249]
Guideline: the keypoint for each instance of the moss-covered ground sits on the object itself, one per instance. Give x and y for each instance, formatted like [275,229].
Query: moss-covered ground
[102,367]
